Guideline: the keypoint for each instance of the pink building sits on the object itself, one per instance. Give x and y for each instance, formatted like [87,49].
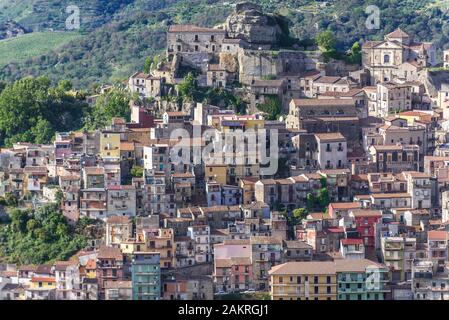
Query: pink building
[63,149]
[109,267]
[233,270]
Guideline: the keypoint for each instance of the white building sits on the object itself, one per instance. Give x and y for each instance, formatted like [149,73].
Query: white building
[201,236]
[331,150]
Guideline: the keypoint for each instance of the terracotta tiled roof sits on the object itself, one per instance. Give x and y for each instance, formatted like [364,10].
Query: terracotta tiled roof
[106,252]
[39,170]
[127,146]
[192,28]
[94,170]
[366,213]
[398,33]
[323,102]
[43,279]
[330,137]
[327,79]
[345,205]
[118,219]
[347,242]
[437,235]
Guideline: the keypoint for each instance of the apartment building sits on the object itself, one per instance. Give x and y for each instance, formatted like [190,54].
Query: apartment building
[304,281]
[331,151]
[146,276]
[398,254]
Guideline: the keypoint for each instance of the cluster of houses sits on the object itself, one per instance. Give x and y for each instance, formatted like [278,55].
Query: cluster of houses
[374,138]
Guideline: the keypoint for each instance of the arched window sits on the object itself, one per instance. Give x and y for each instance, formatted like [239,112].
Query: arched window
[387,58]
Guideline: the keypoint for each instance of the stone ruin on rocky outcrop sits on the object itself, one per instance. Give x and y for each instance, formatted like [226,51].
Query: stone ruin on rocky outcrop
[249,23]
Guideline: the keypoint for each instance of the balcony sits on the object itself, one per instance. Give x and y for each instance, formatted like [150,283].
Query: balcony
[392,247]
[422,185]
[122,197]
[350,279]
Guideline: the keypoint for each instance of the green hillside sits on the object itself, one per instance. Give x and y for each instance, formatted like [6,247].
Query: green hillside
[33,44]
[121,34]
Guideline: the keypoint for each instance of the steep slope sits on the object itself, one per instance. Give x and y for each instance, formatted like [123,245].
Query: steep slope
[123,33]
[43,14]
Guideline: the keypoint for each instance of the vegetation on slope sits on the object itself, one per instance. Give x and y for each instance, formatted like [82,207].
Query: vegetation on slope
[32,110]
[39,236]
[34,44]
[126,35]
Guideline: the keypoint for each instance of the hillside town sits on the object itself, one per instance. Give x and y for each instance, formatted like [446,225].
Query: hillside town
[343,195]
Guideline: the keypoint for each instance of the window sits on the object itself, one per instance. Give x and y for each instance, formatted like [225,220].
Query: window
[387,58]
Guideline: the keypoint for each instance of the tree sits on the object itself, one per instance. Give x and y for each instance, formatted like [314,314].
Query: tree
[11,200]
[323,198]
[272,107]
[112,104]
[29,105]
[355,54]
[152,62]
[310,201]
[39,236]
[43,132]
[19,219]
[59,196]
[323,182]
[137,172]
[187,88]
[148,65]
[300,214]
[326,41]
[65,85]
[31,225]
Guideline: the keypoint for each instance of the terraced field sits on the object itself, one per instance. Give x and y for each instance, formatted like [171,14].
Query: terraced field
[33,44]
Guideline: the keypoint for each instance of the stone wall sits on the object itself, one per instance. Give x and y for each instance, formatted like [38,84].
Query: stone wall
[255,64]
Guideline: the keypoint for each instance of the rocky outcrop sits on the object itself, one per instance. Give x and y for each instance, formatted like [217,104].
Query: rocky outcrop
[248,22]
[229,62]
[11,29]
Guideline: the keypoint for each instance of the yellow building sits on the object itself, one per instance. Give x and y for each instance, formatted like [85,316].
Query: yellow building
[216,172]
[42,283]
[304,281]
[91,269]
[131,246]
[110,144]
[248,187]
[414,116]
[232,123]
[155,240]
